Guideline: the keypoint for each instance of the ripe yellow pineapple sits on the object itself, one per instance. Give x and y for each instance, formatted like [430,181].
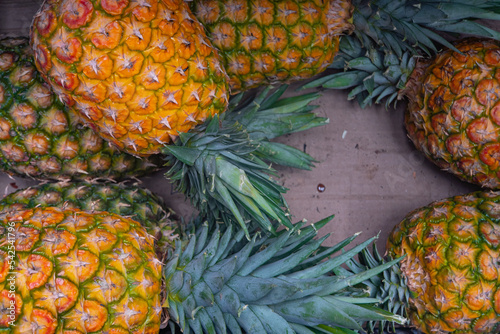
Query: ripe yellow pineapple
[41,138]
[264,41]
[71,271]
[453,113]
[139,71]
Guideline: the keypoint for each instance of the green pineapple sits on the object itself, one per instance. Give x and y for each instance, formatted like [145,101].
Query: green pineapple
[40,138]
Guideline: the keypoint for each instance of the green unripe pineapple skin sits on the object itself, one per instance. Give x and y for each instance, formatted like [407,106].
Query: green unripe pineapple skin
[43,139]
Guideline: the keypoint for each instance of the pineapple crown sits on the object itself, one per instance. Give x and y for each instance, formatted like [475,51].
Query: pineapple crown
[389,286]
[224,167]
[372,75]
[217,281]
[389,36]
[411,25]
[126,199]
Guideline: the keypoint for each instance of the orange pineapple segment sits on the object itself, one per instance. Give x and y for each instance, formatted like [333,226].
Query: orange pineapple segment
[57,242]
[146,284]
[57,296]
[26,239]
[69,289]
[45,320]
[130,312]
[107,287]
[4,265]
[130,52]
[37,269]
[87,316]
[99,241]
[11,302]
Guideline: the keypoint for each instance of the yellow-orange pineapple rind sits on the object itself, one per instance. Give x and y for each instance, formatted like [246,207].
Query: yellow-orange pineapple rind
[264,42]
[451,265]
[64,270]
[138,72]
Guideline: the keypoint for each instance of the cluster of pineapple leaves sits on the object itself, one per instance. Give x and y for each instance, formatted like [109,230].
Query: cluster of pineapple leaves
[375,62]
[224,166]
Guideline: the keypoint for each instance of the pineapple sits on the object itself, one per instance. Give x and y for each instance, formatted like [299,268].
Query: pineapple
[452,112]
[124,199]
[146,77]
[450,267]
[264,41]
[72,271]
[139,71]
[41,138]
[447,281]
[453,101]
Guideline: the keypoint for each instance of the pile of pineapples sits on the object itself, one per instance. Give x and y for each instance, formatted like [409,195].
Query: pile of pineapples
[107,90]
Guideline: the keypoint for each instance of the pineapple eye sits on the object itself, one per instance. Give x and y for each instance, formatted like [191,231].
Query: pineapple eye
[138,34]
[129,64]
[7,60]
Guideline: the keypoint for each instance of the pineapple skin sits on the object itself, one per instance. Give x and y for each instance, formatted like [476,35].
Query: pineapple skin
[75,272]
[451,266]
[264,42]
[453,113]
[41,138]
[139,72]
[125,199]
